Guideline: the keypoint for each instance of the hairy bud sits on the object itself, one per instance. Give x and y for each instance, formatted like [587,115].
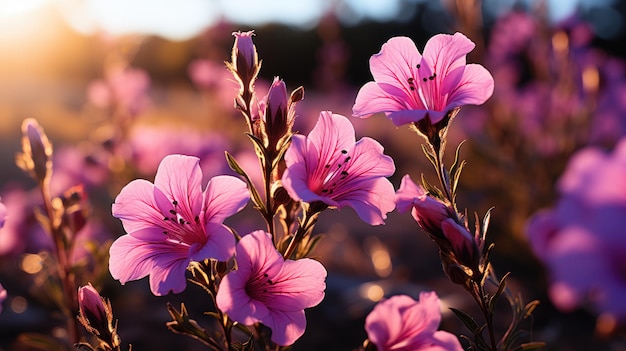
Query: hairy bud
[36,156]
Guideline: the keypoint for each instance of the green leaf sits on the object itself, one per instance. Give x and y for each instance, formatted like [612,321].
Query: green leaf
[486,221]
[433,190]
[466,319]
[429,155]
[501,287]
[456,176]
[456,157]
[259,148]
[256,198]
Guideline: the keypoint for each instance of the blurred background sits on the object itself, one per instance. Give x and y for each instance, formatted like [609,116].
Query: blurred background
[117,85]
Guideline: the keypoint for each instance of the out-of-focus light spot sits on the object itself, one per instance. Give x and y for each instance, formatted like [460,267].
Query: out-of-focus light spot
[12,7]
[606,324]
[372,291]
[31,263]
[560,42]
[18,304]
[591,79]
[59,332]
[171,19]
[381,259]
[256,12]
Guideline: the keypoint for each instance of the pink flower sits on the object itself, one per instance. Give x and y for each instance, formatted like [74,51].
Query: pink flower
[123,88]
[267,289]
[409,87]
[3,214]
[244,56]
[403,324]
[173,222]
[581,241]
[3,296]
[95,313]
[328,166]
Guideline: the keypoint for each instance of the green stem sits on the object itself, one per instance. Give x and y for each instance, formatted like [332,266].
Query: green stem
[309,220]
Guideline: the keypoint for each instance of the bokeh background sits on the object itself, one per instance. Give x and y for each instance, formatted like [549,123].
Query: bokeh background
[560,86]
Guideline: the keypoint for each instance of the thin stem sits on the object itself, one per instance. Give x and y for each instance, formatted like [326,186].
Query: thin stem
[63,267]
[309,220]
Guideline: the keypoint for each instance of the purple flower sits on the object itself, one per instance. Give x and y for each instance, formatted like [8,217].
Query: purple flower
[173,222]
[268,289]
[581,241]
[123,88]
[428,212]
[244,57]
[410,87]
[328,166]
[403,324]
[95,314]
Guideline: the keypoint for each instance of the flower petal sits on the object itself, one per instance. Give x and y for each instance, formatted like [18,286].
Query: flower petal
[395,63]
[296,181]
[444,341]
[233,300]
[180,177]
[223,197]
[372,98]
[168,274]
[286,327]
[443,53]
[331,133]
[136,208]
[474,88]
[301,283]
[403,117]
[372,200]
[407,194]
[220,244]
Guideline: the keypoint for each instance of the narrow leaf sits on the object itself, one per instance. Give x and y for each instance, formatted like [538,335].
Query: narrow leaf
[534,345]
[429,155]
[433,190]
[256,198]
[456,157]
[466,319]
[501,287]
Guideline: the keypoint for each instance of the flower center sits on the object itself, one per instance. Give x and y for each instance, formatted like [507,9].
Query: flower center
[335,173]
[421,89]
[182,230]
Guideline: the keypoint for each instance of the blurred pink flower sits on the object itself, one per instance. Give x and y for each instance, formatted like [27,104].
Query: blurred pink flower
[328,166]
[403,324]
[267,289]
[122,88]
[3,214]
[173,222]
[409,87]
[3,296]
[581,241]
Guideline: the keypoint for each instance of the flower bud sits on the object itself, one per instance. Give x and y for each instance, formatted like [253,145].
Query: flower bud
[96,316]
[277,121]
[457,274]
[36,156]
[462,242]
[244,58]
[75,209]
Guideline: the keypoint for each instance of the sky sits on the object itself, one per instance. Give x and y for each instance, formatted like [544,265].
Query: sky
[180,20]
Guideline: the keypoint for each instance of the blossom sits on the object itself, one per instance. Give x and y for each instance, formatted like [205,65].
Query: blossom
[122,87]
[245,60]
[403,324]
[410,87]
[328,166]
[428,212]
[581,241]
[268,289]
[173,222]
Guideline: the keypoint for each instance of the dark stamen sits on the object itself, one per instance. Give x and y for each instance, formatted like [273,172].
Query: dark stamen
[175,203]
[425,79]
[418,66]
[173,212]
[344,152]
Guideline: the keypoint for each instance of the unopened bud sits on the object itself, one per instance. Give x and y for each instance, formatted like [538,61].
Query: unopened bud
[36,156]
[276,113]
[462,242]
[457,274]
[95,314]
[244,57]
[297,95]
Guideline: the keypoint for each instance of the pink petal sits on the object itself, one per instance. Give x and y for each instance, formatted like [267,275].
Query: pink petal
[368,159]
[296,182]
[331,133]
[407,194]
[168,274]
[297,150]
[136,208]
[220,244]
[223,197]
[233,300]
[286,327]
[372,98]
[395,62]
[403,117]
[428,315]
[444,341]
[132,258]
[443,53]
[474,88]
[256,254]
[180,177]
[384,324]
[371,201]
[302,284]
